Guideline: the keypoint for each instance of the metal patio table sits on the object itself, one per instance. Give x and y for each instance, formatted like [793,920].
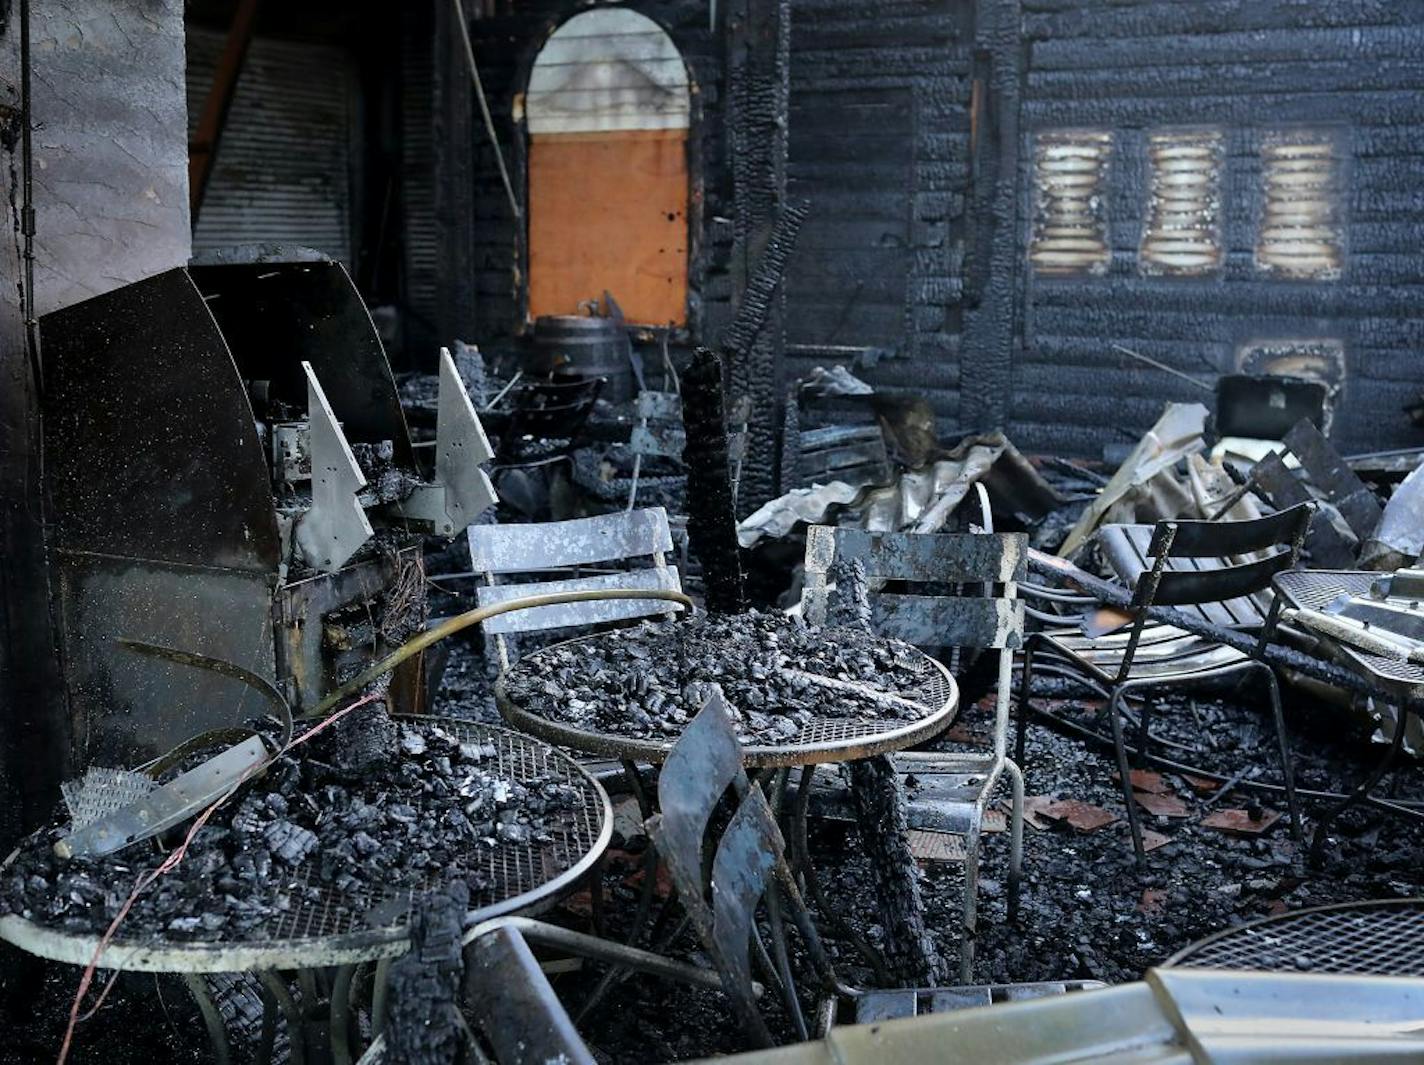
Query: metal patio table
[825,740]
[316,941]
[1382,937]
[1403,681]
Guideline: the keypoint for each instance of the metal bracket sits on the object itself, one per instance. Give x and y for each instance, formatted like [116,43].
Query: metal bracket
[168,805]
[461,490]
[336,526]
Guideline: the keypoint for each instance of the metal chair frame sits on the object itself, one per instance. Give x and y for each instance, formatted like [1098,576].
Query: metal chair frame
[1163,585]
[500,550]
[986,621]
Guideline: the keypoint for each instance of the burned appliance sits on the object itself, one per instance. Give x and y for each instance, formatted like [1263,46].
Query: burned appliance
[229,473]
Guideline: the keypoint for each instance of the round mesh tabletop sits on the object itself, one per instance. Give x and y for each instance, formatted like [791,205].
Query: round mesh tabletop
[342,928]
[1316,590]
[1352,939]
[827,738]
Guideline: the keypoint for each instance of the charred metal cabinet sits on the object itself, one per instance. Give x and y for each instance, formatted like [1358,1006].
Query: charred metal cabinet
[162,517]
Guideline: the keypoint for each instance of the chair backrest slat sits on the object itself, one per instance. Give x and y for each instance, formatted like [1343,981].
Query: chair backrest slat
[1187,587]
[1198,539]
[950,621]
[497,549]
[1125,549]
[593,612]
[659,406]
[947,557]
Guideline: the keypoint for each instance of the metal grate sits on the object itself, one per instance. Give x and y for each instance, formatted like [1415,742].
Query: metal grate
[1317,589]
[1070,222]
[827,738]
[1182,236]
[1301,235]
[101,792]
[497,874]
[1360,939]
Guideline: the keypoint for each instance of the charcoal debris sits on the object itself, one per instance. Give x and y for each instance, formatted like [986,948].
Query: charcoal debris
[303,832]
[634,682]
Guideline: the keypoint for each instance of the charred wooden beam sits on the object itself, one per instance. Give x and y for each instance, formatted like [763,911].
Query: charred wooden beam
[711,520]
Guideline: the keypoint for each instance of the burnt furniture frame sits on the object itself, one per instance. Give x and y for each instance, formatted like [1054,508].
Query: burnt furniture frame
[749,870]
[1153,655]
[1317,589]
[961,783]
[500,551]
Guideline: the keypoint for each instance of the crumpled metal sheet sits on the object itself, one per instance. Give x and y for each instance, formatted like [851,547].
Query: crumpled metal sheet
[919,501]
[1144,488]
[1399,539]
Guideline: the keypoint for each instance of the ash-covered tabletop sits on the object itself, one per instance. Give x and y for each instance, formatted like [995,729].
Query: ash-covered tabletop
[319,917]
[799,695]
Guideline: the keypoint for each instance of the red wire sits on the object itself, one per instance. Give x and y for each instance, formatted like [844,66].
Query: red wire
[168,863]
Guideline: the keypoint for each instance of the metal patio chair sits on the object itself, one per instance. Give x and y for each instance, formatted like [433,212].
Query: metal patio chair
[501,553]
[730,881]
[854,454]
[1149,655]
[749,870]
[958,786]
[658,434]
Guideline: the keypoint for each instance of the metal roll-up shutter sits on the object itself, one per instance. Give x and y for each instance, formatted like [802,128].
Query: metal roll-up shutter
[422,239]
[283,167]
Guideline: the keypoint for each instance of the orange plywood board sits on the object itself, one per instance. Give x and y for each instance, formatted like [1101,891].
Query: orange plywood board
[609,211]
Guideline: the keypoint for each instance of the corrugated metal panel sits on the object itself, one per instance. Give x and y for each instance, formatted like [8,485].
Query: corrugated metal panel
[1070,223]
[422,255]
[282,172]
[1301,233]
[1182,236]
[610,69]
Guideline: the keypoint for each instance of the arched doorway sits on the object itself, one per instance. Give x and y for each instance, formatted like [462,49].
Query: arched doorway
[608,113]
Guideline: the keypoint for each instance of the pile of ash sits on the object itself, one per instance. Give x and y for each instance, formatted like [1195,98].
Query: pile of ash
[635,682]
[307,829]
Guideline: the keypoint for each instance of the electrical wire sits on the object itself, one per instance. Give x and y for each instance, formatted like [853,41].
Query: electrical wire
[167,865]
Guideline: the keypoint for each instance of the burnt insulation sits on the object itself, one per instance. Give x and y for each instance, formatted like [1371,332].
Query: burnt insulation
[711,521]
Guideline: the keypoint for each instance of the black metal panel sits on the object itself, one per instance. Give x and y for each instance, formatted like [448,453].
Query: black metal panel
[515,1006]
[128,707]
[1185,587]
[276,316]
[1215,539]
[149,439]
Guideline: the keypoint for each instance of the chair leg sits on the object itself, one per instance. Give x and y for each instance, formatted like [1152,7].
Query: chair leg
[1015,839]
[1144,731]
[1115,717]
[1287,762]
[1025,686]
[971,903]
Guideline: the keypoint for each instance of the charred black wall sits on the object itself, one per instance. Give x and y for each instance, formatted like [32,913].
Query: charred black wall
[1245,67]
[505,47]
[880,147]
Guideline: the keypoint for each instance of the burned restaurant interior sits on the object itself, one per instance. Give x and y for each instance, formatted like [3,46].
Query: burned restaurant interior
[804,532]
